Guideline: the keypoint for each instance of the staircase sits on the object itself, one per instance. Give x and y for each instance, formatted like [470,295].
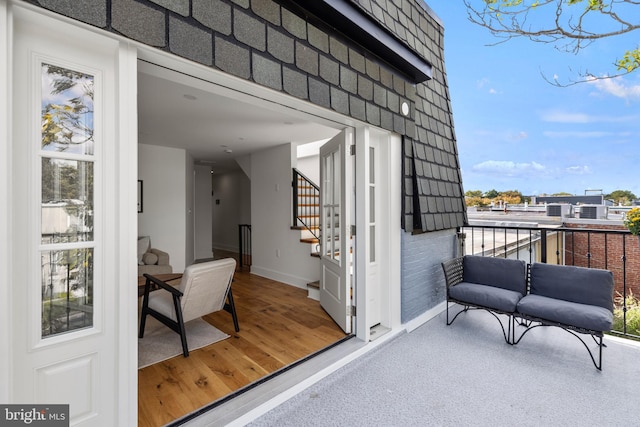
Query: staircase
[306,219]
[306,210]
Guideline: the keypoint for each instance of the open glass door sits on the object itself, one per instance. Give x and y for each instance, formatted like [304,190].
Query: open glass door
[335,220]
[73,158]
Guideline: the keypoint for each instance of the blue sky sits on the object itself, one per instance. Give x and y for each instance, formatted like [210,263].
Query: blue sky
[515,131]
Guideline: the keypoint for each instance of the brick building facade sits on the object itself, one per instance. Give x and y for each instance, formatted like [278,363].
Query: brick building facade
[619,253]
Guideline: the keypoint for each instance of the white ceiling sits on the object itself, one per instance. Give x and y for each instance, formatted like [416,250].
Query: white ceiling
[175,113]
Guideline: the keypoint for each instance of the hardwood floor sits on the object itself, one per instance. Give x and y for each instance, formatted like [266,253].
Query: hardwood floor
[278,326]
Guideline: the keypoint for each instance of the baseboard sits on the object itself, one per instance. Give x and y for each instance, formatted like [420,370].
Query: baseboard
[229,248]
[298,282]
[425,317]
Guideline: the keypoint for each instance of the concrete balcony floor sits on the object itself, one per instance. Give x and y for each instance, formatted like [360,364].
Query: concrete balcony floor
[467,375]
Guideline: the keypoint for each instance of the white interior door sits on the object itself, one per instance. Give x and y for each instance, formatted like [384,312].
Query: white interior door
[73,326]
[335,224]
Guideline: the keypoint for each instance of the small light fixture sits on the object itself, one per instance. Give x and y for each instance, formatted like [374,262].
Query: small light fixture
[405,109]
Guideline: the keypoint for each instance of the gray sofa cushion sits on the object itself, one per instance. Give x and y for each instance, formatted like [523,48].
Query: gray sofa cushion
[576,284]
[498,272]
[485,296]
[590,317]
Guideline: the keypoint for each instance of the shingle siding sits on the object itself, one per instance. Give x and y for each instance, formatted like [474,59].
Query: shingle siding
[93,12]
[275,43]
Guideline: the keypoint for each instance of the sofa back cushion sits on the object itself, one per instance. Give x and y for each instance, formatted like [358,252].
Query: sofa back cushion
[582,285]
[503,273]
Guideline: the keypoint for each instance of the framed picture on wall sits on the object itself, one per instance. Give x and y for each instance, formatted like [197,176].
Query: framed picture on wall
[139,196]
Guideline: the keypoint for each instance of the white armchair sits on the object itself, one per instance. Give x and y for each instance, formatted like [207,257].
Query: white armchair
[205,288]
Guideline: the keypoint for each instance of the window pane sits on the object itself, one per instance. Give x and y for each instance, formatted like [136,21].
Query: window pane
[372,243]
[67,110]
[67,201]
[372,204]
[372,165]
[67,290]
[337,178]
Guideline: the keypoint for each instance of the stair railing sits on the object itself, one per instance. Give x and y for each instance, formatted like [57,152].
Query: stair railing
[306,200]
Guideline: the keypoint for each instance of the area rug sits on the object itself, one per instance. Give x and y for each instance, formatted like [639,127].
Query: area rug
[161,343]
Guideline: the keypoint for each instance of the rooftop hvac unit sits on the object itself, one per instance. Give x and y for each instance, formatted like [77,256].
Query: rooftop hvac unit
[561,210]
[593,212]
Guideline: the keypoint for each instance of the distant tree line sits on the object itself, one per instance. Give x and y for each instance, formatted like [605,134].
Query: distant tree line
[480,198]
[515,197]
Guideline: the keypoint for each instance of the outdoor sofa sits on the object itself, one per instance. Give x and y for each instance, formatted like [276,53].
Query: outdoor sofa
[576,299]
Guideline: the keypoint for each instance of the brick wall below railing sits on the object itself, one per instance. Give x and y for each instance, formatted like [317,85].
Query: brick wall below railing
[606,251]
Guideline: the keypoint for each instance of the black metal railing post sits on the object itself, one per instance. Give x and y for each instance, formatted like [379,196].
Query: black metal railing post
[543,246]
[244,244]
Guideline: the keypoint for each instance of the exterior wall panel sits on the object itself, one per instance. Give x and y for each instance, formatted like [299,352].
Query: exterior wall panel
[423,285]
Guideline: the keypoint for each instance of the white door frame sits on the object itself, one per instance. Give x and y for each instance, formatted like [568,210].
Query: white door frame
[391,161]
[388,192]
[6,271]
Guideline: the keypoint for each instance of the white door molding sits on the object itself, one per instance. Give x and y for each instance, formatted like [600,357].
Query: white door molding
[6,308]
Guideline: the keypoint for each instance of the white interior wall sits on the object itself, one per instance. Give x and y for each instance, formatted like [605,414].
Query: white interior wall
[310,167]
[163,172]
[190,230]
[203,213]
[277,251]
[245,164]
[231,206]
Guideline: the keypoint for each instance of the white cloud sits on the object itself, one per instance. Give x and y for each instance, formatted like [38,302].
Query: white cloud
[561,116]
[578,170]
[508,168]
[519,136]
[565,117]
[482,82]
[485,82]
[617,87]
[577,134]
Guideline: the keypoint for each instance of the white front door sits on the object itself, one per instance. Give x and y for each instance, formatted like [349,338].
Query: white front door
[336,186]
[73,221]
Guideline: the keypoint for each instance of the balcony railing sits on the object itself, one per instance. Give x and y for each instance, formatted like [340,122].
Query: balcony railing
[614,250]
